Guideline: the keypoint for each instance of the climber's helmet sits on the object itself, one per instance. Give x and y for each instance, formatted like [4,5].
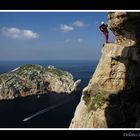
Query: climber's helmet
[102,22]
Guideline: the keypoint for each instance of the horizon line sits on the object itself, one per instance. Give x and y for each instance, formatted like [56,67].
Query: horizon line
[55,60]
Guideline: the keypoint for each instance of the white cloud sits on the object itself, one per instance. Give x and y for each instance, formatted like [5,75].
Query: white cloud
[68,40]
[66,28]
[16,33]
[79,24]
[79,40]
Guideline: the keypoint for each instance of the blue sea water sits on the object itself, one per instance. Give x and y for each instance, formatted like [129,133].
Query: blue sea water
[12,112]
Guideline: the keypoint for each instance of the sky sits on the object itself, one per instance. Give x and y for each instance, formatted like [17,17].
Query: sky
[51,35]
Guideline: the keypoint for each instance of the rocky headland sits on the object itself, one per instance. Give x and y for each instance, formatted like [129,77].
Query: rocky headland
[32,79]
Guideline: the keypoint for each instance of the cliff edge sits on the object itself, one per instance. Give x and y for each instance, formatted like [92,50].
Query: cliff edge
[112,97]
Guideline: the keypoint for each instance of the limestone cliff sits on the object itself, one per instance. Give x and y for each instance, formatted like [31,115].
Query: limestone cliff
[35,79]
[112,97]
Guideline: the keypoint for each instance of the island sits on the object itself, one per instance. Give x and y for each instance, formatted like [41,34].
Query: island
[32,79]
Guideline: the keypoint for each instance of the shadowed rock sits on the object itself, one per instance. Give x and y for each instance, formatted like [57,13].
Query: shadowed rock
[112,97]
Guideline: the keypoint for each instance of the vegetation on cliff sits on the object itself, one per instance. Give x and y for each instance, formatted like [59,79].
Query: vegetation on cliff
[112,97]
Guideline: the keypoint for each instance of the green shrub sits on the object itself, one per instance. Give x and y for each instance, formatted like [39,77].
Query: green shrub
[57,72]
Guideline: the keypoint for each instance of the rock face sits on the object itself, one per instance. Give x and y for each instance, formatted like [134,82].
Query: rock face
[35,79]
[112,97]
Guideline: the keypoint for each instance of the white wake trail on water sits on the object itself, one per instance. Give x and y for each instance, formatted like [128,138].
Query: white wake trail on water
[47,109]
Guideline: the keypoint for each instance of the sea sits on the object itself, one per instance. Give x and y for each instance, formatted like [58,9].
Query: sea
[49,110]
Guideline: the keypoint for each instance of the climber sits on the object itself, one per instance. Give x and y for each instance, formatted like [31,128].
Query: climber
[103,28]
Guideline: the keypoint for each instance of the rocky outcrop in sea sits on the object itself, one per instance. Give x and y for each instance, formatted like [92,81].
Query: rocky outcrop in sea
[35,80]
[112,97]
